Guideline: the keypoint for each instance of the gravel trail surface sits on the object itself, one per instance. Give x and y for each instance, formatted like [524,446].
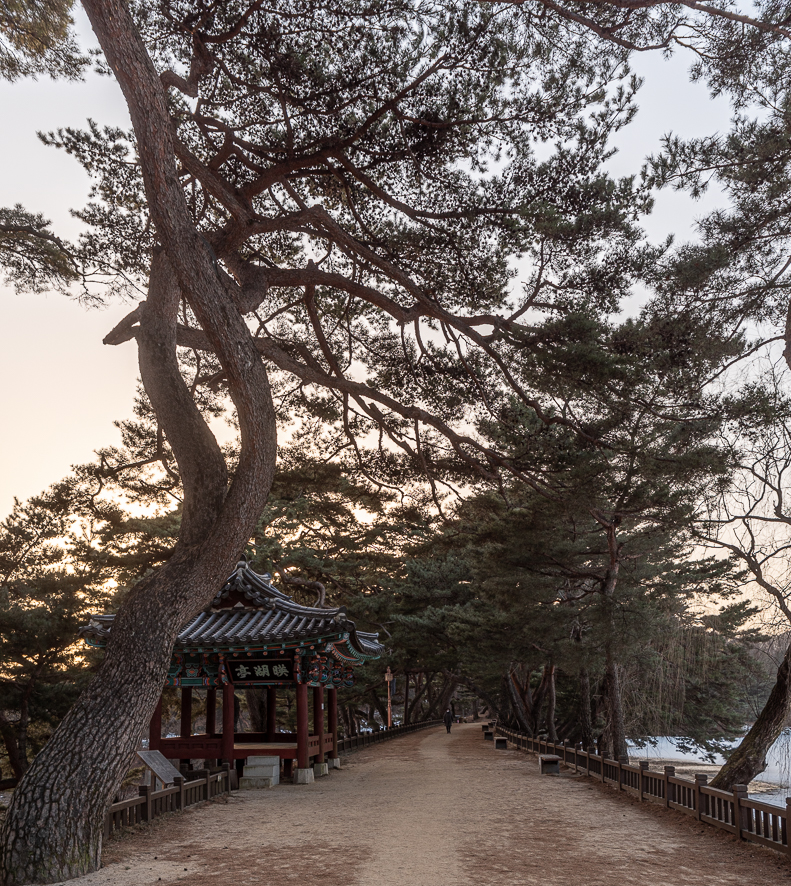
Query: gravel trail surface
[431,809]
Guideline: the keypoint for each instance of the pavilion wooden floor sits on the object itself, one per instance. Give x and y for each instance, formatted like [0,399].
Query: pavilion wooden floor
[430,809]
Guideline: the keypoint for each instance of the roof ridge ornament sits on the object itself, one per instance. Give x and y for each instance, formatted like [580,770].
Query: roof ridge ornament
[230,623]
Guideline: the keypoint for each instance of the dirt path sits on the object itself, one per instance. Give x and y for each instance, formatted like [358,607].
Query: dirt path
[435,810]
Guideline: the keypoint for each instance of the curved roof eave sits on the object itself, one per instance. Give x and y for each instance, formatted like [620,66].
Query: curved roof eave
[241,626]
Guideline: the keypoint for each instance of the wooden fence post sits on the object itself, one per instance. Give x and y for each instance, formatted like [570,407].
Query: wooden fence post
[643,764]
[591,750]
[146,791]
[204,773]
[602,757]
[700,780]
[227,770]
[670,789]
[787,826]
[621,762]
[179,782]
[740,812]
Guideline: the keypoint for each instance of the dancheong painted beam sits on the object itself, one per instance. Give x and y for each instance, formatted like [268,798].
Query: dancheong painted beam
[254,635]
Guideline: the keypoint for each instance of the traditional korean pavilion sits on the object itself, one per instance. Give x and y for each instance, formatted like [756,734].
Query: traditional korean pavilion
[254,635]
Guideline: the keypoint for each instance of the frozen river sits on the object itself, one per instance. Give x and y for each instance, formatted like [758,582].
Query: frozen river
[773,785]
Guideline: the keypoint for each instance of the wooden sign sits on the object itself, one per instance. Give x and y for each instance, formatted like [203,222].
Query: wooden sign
[164,770]
[260,670]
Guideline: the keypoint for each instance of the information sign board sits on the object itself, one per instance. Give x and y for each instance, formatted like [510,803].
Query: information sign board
[164,770]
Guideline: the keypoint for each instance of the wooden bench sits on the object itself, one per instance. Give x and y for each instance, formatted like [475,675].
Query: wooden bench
[501,744]
[548,764]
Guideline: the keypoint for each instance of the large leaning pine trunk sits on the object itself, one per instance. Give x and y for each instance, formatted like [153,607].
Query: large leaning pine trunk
[749,759]
[53,828]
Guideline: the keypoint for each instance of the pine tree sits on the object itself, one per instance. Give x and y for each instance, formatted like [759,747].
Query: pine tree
[398,183]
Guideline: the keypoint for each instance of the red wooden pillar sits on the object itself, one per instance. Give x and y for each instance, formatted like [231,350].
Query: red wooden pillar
[271,712]
[332,717]
[155,729]
[318,719]
[227,723]
[302,726]
[211,711]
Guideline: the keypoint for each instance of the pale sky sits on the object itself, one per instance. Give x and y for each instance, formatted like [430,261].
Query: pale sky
[61,387]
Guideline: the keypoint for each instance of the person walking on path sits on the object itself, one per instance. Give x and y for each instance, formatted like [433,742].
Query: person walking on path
[448,719]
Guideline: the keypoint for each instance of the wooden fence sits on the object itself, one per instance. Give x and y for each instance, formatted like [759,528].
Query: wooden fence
[203,785]
[732,811]
[368,738]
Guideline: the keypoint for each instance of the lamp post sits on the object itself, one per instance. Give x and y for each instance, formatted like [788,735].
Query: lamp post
[389,678]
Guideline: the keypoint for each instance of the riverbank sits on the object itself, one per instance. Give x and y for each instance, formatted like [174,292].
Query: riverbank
[772,786]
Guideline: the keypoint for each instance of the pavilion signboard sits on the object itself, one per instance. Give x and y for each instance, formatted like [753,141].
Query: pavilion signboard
[261,670]
[253,635]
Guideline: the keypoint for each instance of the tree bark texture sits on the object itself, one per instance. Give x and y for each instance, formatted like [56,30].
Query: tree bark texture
[490,705]
[54,825]
[256,698]
[615,723]
[749,759]
[616,730]
[586,715]
[526,703]
[517,703]
[420,688]
[17,759]
[441,701]
[551,702]
[421,684]
[380,705]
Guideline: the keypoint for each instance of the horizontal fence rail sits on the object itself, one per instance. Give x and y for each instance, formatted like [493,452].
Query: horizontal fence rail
[731,811]
[368,738]
[203,785]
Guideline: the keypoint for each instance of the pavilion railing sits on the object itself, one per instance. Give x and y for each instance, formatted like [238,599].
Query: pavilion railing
[368,738]
[204,785]
[731,811]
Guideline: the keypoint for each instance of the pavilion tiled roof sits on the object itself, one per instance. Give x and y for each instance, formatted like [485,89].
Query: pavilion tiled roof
[249,612]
